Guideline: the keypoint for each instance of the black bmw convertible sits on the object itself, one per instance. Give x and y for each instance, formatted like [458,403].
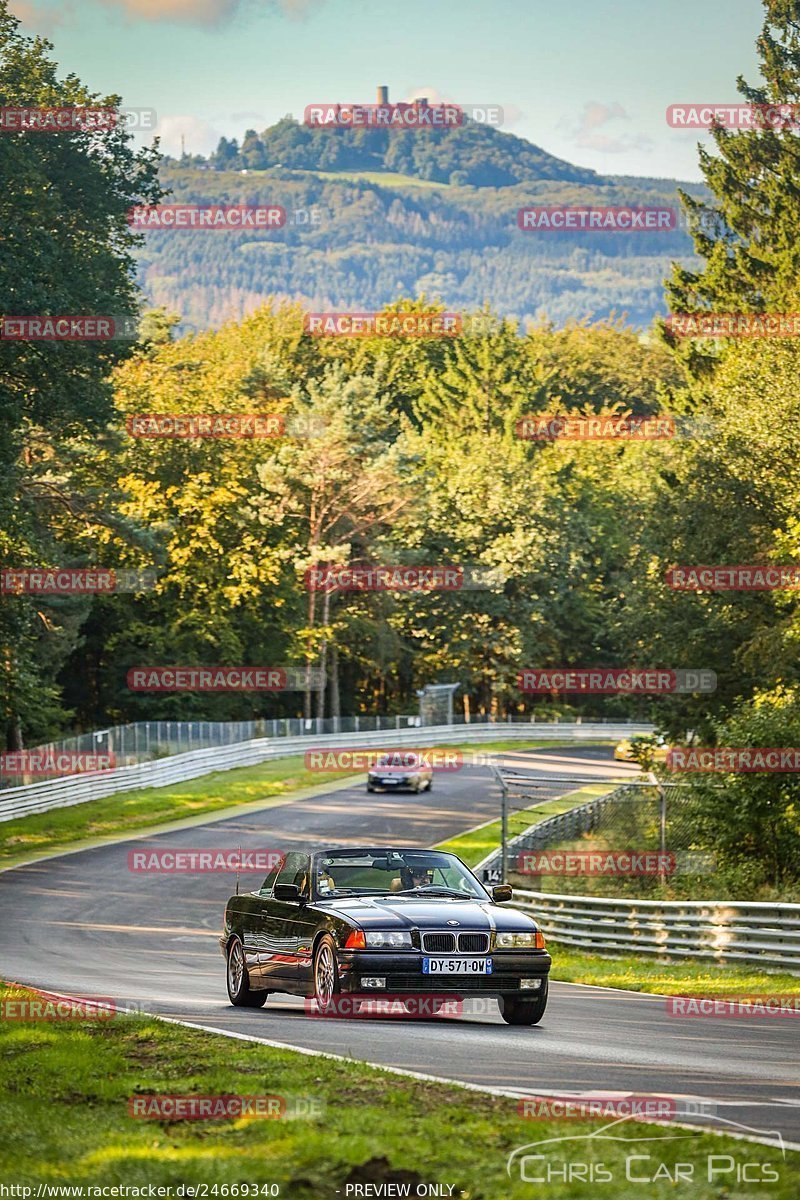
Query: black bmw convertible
[380,921]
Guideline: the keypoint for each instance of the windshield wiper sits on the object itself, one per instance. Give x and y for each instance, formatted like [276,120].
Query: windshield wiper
[435,891]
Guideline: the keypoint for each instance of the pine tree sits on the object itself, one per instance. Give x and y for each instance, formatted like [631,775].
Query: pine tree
[747,232]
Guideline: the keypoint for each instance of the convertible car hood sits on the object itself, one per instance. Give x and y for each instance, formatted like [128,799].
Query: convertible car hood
[385,912]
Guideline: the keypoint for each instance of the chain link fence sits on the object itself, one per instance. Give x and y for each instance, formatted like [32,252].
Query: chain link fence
[634,842]
[146,741]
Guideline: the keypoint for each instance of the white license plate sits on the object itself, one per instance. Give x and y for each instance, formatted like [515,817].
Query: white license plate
[456,966]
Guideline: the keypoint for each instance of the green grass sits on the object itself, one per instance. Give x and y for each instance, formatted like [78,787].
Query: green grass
[386,178]
[641,974]
[130,812]
[66,1087]
[474,845]
[139,811]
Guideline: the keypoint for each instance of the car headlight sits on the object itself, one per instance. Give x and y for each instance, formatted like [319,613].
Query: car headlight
[518,941]
[378,939]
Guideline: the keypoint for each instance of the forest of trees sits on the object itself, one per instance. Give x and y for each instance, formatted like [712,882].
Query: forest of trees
[415,459]
[468,154]
[373,240]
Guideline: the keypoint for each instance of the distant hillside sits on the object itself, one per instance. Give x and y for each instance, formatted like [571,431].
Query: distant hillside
[469,154]
[402,213]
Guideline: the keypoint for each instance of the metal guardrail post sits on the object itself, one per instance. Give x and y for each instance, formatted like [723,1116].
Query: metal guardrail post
[503,822]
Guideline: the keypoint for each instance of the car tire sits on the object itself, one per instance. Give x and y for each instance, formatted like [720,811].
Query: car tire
[326,972]
[515,1011]
[239,991]
[430,785]
[370,788]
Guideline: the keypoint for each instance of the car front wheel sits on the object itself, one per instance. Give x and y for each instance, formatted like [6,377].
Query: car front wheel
[326,972]
[238,979]
[515,1011]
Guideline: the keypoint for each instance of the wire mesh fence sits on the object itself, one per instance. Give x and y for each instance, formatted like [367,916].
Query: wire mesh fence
[637,840]
[146,741]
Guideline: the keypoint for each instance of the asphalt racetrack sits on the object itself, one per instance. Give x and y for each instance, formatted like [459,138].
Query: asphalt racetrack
[83,924]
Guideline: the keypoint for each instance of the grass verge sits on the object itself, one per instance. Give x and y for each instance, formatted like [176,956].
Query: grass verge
[147,808]
[641,974]
[67,1087]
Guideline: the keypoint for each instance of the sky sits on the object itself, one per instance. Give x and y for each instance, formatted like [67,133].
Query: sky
[587,80]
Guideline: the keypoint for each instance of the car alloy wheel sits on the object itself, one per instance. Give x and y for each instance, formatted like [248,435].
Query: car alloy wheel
[235,967]
[238,979]
[326,974]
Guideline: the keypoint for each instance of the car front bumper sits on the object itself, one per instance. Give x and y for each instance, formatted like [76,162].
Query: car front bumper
[392,784]
[404,976]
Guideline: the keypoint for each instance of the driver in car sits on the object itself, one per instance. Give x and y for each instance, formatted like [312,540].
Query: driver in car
[417,876]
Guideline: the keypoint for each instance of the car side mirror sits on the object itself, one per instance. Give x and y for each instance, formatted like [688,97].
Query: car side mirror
[502,892]
[286,891]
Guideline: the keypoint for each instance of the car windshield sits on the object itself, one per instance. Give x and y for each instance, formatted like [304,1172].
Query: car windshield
[398,758]
[393,872]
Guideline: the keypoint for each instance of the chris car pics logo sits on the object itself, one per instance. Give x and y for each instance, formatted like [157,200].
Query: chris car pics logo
[620,1152]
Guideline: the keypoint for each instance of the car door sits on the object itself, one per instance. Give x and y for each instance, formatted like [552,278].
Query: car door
[256,939]
[285,929]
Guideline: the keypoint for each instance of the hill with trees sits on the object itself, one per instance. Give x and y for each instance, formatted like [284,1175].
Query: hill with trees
[378,214]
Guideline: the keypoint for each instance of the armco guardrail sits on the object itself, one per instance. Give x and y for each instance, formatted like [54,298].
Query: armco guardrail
[77,789]
[724,931]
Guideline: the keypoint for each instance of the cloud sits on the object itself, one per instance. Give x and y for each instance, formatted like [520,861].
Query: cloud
[421,93]
[41,18]
[198,12]
[595,114]
[240,117]
[510,113]
[199,136]
[594,117]
[203,12]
